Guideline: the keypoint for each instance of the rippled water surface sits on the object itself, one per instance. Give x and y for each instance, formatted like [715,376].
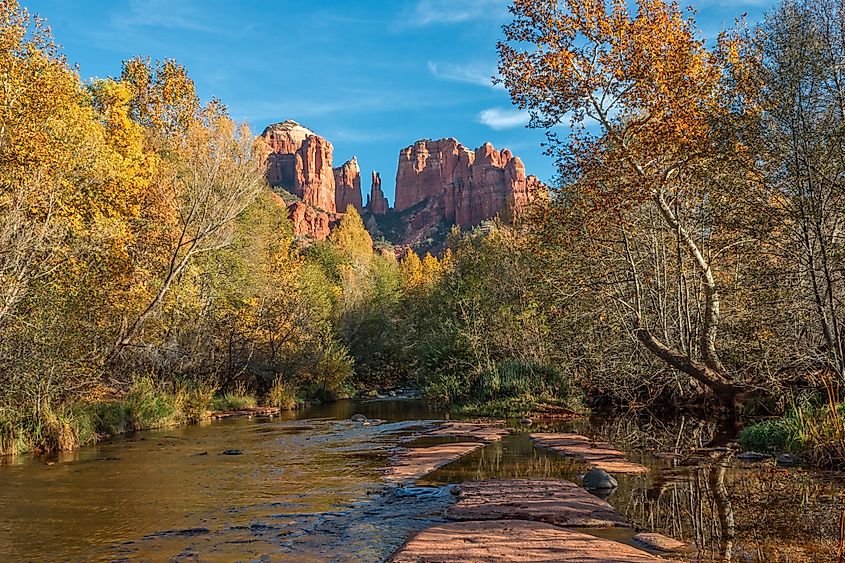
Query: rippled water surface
[308,487]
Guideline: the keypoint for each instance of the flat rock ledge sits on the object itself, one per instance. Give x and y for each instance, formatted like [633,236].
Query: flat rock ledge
[596,454]
[659,542]
[513,540]
[254,411]
[413,463]
[557,502]
[483,431]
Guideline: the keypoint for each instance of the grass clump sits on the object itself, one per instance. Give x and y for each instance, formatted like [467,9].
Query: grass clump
[236,400]
[282,395]
[44,429]
[814,430]
[144,406]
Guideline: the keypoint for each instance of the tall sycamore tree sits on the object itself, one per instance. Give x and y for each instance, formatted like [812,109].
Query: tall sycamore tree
[641,93]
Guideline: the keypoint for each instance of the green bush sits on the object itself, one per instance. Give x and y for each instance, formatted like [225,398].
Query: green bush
[769,436]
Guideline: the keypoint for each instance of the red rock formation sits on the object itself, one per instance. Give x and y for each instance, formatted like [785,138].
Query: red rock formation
[309,221]
[444,180]
[376,202]
[301,163]
[347,180]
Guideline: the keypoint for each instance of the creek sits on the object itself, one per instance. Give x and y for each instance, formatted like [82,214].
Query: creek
[308,486]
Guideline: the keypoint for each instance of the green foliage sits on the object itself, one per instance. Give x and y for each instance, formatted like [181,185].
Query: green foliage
[769,436]
[145,405]
[282,395]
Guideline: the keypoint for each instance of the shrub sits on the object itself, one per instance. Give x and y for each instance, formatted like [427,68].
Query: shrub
[282,395]
[196,401]
[768,436]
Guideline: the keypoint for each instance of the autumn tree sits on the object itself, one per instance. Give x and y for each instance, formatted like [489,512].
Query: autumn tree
[216,176]
[798,61]
[641,92]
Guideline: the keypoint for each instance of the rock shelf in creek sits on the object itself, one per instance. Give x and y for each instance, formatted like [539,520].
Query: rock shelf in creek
[521,519]
[413,463]
[557,502]
[595,454]
[513,540]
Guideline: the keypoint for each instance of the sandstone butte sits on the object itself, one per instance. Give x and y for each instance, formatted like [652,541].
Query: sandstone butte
[437,183]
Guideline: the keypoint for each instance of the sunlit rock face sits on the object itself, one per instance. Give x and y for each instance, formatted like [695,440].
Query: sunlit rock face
[347,180]
[444,181]
[376,202]
[300,162]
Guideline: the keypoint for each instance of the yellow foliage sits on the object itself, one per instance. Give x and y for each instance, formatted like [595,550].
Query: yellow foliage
[351,237]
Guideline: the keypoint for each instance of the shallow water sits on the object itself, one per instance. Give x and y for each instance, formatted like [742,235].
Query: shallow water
[308,487]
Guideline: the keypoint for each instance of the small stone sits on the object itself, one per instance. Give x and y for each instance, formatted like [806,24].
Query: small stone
[526,421]
[232,452]
[358,418]
[752,456]
[392,393]
[787,460]
[599,479]
[366,423]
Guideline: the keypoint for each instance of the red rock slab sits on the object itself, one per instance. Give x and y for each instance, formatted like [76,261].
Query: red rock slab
[413,463]
[558,502]
[596,454]
[255,411]
[513,540]
[659,542]
[484,431]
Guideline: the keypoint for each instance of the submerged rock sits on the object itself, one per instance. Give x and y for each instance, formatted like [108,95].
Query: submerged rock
[599,479]
[358,418]
[787,460]
[752,456]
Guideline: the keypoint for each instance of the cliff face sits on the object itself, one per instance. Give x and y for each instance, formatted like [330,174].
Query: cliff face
[347,180]
[443,180]
[300,162]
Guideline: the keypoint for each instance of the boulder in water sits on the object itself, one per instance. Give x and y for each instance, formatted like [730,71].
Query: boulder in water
[526,421]
[358,418]
[787,460]
[599,479]
[752,456]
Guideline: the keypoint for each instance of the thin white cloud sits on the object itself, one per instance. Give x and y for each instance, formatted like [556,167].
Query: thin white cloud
[161,13]
[500,118]
[473,73]
[434,12]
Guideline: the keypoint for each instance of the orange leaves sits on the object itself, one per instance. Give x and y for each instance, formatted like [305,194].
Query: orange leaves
[644,78]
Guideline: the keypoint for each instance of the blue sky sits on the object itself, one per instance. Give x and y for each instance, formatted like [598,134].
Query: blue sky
[370,76]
